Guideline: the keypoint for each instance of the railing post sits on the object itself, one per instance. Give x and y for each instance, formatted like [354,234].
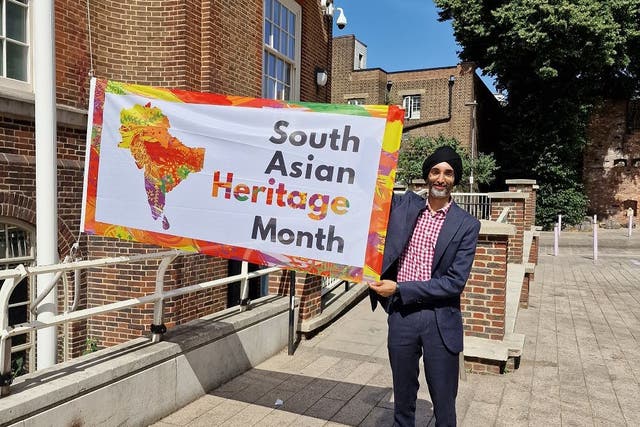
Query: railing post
[244,286]
[6,376]
[292,307]
[158,327]
[630,225]
[555,240]
[6,290]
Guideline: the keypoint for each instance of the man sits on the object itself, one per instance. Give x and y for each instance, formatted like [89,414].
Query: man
[427,258]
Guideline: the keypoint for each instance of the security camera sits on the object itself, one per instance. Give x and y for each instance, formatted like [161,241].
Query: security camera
[341,22]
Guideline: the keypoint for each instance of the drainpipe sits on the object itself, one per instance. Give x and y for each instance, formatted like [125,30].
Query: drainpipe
[46,179]
[452,80]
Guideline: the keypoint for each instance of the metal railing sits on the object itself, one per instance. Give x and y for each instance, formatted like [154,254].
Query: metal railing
[330,283]
[13,277]
[477,204]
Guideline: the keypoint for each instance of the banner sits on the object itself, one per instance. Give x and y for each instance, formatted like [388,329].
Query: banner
[305,186]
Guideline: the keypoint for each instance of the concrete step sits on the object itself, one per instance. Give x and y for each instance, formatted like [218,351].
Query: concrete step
[515,344]
[483,348]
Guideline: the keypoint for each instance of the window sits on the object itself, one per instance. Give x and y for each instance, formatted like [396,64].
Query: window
[411,105]
[17,247]
[281,60]
[14,43]
[355,101]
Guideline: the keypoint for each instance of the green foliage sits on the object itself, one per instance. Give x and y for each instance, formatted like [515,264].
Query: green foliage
[586,44]
[414,150]
[555,60]
[568,202]
[91,346]
[17,366]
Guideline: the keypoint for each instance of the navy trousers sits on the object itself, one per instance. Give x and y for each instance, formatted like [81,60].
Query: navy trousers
[413,333]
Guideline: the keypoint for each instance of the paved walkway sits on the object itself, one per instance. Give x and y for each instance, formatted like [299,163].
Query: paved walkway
[580,367]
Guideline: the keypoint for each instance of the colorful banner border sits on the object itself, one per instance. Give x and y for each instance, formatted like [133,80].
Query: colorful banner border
[381,202]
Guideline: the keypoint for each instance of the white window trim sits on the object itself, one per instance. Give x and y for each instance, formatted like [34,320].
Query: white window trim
[409,112]
[17,89]
[294,7]
[350,101]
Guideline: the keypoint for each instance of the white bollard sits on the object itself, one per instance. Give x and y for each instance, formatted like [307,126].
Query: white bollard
[559,224]
[630,227]
[556,235]
[595,238]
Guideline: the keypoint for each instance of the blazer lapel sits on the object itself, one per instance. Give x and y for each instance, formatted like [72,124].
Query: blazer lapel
[452,222]
[401,236]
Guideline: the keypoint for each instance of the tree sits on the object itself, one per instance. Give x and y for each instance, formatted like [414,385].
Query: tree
[556,59]
[414,150]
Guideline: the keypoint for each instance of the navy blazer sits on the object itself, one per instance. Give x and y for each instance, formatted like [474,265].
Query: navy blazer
[452,261]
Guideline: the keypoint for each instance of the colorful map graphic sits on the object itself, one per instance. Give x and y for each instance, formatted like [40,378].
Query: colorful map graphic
[165,159]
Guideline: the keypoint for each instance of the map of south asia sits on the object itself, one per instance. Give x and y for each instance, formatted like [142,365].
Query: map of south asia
[165,160]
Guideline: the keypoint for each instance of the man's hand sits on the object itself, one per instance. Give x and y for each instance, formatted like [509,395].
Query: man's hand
[384,288]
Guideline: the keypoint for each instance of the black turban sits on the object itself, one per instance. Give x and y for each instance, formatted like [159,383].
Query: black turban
[443,154]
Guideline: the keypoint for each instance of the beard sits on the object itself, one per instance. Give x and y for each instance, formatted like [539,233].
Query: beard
[439,194]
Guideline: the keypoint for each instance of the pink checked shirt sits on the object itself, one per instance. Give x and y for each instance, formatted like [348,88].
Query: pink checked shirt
[417,258]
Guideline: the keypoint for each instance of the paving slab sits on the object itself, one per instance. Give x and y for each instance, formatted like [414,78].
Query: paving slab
[580,364]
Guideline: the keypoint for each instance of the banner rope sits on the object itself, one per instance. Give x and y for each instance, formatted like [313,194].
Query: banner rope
[91,72]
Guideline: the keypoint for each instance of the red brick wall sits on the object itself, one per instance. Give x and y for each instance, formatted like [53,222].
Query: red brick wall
[530,188]
[72,54]
[431,84]
[484,297]
[482,366]
[608,186]
[308,289]
[316,52]
[208,45]
[123,281]
[516,217]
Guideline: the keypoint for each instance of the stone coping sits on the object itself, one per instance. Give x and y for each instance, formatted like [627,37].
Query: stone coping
[509,195]
[22,106]
[496,228]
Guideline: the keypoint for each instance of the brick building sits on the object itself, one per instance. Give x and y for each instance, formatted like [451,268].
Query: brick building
[612,161]
[437,101]
[258,48]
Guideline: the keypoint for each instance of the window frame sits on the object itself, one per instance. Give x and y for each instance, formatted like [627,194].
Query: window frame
[408,103]
[356,101]
[8,85]
[268,49]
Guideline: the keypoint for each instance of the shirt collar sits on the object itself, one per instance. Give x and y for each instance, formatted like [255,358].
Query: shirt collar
[442,210]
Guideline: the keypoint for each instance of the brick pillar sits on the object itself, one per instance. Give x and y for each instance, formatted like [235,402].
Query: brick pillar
[308,289]
[516,203]
[484,297]
[529,187]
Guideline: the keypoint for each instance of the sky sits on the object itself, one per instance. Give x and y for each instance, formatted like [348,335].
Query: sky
[401,34]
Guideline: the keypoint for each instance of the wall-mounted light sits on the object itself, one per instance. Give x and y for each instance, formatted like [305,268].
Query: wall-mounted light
[389,85]
[452,80]
[321,77]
